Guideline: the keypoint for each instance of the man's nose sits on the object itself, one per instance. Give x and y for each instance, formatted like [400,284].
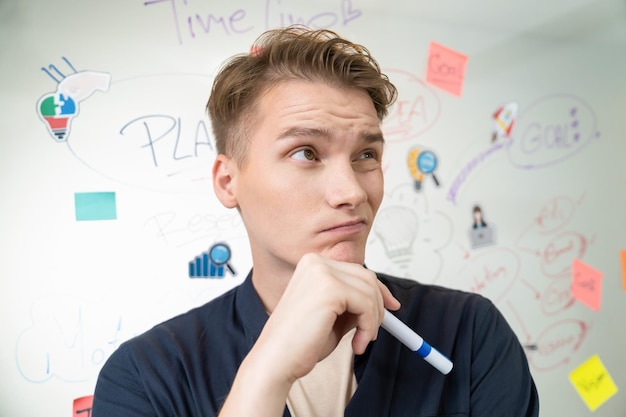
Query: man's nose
[343,187]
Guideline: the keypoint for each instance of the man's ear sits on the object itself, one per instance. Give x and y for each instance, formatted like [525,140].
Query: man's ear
[225,180]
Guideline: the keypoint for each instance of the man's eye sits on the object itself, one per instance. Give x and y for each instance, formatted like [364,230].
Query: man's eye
[304,155]
[368,155]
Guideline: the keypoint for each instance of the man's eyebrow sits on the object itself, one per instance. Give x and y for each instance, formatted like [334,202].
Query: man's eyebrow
[374,137]
[325,133]
[304,132]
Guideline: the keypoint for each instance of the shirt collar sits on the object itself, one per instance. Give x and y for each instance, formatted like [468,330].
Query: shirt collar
[250,309]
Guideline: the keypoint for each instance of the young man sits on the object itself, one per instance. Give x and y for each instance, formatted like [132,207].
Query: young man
[297,126]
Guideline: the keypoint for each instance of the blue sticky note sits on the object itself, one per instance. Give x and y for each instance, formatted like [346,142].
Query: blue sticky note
[95,206]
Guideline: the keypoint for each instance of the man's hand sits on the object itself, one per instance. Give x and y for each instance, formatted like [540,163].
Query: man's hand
[322,302]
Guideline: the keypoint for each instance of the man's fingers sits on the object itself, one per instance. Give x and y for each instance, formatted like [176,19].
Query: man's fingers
[389,300]
[360,341]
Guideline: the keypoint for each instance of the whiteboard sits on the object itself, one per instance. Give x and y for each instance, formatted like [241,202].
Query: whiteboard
[106,213]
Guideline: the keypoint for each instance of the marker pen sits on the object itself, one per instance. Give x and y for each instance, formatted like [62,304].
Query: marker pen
[413,341]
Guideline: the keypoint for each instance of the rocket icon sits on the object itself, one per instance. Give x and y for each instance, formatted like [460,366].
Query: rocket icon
[504,119]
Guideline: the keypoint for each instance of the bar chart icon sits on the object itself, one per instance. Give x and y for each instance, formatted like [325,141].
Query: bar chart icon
[212,263]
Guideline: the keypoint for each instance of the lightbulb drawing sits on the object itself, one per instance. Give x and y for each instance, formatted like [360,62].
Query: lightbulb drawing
[422,163]
[397,228]
[59,108]
[504,119]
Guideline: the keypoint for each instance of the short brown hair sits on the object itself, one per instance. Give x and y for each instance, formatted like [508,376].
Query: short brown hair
[292,53]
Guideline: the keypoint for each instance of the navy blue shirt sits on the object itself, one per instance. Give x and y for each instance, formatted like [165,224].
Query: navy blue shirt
[185,366]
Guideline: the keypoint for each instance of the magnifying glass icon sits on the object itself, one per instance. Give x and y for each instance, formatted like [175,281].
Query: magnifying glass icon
[219,254]
[427,163]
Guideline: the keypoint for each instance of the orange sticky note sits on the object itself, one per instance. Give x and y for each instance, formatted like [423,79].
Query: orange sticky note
[623,256]
[446,68]
[82,406]
[586,284]
[593,382]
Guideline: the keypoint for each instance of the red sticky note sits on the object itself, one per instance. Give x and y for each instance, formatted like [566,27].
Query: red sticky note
[623,256]
[82,406]
[586,284]
[446,68]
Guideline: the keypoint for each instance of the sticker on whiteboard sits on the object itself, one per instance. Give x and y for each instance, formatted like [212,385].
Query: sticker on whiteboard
[95,206]
[593,383]
[213,263]
[446,68]
[422,163]
[481,234]
[58,109]
[82,406]
[586,284]
[623,257]
[504,119]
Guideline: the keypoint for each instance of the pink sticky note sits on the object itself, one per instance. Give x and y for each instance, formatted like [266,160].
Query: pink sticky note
[586,284]
[82,406]
[446,68]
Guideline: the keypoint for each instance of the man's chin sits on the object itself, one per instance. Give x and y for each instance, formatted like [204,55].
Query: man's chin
[346,252]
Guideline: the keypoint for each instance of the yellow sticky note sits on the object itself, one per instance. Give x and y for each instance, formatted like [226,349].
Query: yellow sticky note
[593,382]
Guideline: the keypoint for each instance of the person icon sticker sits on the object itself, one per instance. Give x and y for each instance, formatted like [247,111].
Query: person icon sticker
[480,234]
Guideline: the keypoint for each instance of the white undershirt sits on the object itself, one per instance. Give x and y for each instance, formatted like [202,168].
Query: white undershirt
[327,389]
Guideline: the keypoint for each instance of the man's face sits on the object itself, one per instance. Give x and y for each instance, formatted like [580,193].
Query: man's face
[312,180]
